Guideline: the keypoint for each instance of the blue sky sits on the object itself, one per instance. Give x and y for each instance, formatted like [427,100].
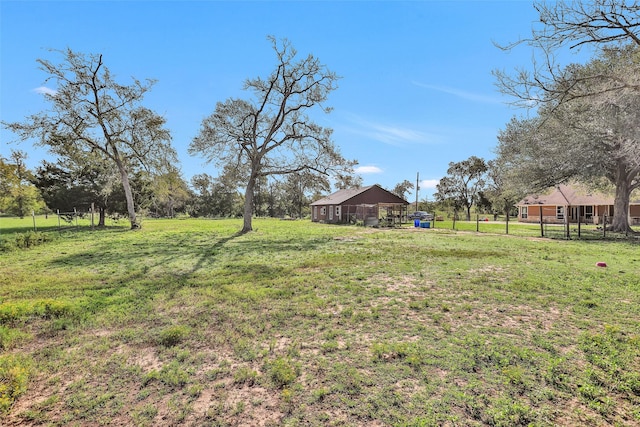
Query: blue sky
[416,91]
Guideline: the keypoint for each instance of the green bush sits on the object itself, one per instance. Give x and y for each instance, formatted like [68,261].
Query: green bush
[171,375]
[51,309]
[24,240]
[173,335]
[14,375]
[9,336]
[48,309]
[282,372]
[245,375]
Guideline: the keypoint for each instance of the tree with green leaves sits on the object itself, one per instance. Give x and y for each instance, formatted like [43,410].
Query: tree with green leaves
[298,189]
[93,114]
[586,110]
[214,197]
[64,189]
[347,180]
[501,190]
[463,183]
[587,138]
[18,195]
[170,192]
[272,134]
[402,188]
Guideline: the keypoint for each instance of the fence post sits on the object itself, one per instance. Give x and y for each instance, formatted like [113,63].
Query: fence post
[75,214]
[33,214]
[477,223]
[579,222]
[541,223]
[506,226]
[58,213]
[604,226]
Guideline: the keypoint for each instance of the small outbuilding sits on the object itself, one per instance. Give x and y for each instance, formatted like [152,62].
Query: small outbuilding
[372,205]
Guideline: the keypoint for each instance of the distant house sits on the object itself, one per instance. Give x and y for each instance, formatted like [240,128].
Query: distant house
[573,203]
[368,204]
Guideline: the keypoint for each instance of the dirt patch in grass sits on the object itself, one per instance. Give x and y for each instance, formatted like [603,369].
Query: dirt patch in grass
[145,357]
[518,318]
[222,402]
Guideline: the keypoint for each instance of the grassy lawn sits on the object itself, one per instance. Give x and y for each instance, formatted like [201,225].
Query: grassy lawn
[184,322]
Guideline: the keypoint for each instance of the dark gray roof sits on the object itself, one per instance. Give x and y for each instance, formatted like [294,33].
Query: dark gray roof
[341,196]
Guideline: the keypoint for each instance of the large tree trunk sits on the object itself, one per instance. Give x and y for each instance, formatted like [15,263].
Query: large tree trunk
[620,221]
[128,194]
[248,204]
[103,214]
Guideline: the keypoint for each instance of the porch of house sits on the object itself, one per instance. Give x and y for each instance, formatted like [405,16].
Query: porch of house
[554,214]
[380,214]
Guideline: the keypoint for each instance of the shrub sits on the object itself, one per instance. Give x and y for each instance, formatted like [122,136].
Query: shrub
[14,375]
[173,335]
[8,337]
[24,240]
[245,375]
[282,372]
[23,310]
[54,309]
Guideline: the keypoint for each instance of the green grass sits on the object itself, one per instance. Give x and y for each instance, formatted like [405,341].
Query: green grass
[186,322]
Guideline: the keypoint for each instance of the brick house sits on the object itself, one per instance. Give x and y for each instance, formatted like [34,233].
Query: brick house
[573,203]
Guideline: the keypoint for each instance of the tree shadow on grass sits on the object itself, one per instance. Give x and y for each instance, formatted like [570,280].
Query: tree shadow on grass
[174,261]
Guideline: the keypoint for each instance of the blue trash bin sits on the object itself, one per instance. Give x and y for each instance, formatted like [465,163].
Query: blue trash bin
[425,224]
[416,223]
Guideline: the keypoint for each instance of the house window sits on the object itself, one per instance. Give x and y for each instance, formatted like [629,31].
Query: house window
[323,211]
[338,212]
[588,211]
[524,212]
[315,212]
[559,212]
[330,213]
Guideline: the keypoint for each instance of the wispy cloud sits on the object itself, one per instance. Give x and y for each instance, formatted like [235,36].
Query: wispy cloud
[470,96]
[368,169]
[45,91]
[387,133]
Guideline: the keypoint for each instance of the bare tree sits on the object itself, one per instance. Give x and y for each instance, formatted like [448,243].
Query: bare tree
[570,25]
[92,113]
[273,135]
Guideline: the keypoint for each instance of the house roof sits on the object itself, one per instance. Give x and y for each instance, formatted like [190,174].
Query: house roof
[341,196]
[567,195]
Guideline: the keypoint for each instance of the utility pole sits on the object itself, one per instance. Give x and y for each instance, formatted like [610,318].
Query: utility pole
[417,188]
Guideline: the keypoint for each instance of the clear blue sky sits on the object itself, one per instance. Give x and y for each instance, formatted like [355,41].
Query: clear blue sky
[416,91]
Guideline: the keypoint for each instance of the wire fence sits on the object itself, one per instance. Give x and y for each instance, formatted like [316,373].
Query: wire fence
[58,221]
[566,231]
